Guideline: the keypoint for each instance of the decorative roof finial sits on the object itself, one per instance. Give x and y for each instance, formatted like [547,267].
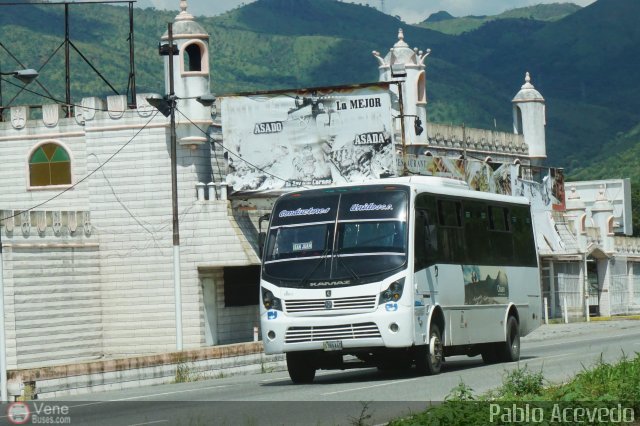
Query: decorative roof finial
[183,15]
[527,81]
[400,42]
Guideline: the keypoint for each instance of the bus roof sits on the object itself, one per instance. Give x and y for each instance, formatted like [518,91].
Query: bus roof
[431,184]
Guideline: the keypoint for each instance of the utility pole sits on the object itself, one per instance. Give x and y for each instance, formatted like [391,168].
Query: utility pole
[167,106]
[174,198]
[3,343]
[405,170]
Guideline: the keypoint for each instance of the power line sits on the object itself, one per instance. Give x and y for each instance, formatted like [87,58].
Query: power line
[181,113]
[238,156]
[58,101]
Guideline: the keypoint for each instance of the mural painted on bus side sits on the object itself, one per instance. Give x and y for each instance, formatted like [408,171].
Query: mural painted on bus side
[485,285]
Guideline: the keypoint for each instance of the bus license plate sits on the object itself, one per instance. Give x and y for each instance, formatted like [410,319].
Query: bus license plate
[332,345]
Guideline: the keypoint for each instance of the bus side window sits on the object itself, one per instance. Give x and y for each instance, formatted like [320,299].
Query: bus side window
[500,233]
[426,242]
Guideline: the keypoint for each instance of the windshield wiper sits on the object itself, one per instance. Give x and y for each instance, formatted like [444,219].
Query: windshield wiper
[351,272]
[315,267]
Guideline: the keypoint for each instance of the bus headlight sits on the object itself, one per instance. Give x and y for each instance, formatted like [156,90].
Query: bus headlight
[393,293]
[270,301]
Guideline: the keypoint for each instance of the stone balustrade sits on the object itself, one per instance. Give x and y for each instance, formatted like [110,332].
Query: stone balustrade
[457,137]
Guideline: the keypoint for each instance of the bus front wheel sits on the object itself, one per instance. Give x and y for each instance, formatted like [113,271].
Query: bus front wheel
[429,357]
[300,367]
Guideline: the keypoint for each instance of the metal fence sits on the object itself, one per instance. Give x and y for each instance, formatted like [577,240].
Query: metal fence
[619,295]
[635,290]
[569,291]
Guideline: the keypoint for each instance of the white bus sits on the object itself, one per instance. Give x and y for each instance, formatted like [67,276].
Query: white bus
[397,273]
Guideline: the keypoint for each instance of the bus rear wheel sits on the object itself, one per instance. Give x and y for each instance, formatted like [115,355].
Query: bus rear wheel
[429,357]
[300,367]
[510,351]
[507,351]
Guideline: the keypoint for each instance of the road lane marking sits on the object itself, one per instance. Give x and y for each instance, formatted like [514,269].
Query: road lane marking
[565,342]
[150,423]
[277,379]
[372,386]
[147,396]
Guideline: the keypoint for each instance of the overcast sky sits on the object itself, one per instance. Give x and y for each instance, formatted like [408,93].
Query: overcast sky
[411,11]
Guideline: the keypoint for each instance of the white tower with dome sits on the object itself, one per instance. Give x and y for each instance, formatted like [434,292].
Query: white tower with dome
[406,65]
[529,120]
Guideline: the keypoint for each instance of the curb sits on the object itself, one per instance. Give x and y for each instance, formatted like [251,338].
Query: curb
[616,318]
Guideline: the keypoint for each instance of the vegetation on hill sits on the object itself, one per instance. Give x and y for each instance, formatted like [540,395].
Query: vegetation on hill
[445,23]
[582,64]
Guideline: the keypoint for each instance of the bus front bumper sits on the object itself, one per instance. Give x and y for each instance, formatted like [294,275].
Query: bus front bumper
[383,328]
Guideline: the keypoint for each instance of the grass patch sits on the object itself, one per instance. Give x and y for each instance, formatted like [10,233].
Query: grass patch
[186,372]
[604,394]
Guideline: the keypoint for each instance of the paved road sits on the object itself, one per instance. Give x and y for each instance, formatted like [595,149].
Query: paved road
[559,351]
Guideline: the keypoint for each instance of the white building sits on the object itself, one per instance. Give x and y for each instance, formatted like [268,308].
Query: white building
[87,227]
[87,217]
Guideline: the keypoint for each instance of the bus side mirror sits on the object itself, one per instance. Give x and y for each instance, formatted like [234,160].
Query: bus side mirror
[262,236]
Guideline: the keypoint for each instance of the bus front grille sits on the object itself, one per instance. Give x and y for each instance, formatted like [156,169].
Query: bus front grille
[307,305]
[365,330]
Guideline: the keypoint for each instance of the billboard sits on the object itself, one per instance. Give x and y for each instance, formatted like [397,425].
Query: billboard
[308,137]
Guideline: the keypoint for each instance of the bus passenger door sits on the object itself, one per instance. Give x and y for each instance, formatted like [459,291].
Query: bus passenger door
[425,295]
[426,272]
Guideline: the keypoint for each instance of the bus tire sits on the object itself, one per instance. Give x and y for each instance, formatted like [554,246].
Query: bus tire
[301,370]
[429,357]
[510,350]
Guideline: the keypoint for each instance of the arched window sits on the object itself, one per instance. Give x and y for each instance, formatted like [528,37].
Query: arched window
[422,88]
[49,164]
[610,225]
[518,123]
[194,58]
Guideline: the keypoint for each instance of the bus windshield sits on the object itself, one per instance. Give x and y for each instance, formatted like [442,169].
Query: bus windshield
[335,238]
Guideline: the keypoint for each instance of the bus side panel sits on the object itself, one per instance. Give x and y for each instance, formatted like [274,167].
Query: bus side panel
[475,300]
[487,307]
[485,323]
[524,292]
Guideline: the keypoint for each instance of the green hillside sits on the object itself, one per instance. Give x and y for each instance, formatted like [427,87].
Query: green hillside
[445,23]
[583,64]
